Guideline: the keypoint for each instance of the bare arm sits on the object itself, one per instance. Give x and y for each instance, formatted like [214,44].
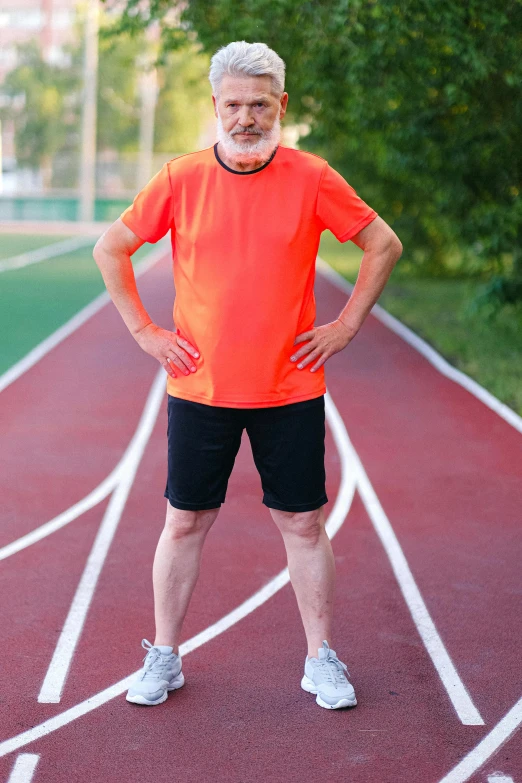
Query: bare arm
[112,253]
[382,249]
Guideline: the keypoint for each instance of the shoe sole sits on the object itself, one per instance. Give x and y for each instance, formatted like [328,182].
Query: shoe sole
[308,685]
[173,685]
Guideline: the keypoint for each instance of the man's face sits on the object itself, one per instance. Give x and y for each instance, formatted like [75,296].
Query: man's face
[248,116]
[247,106]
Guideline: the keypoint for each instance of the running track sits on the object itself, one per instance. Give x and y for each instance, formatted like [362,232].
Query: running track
[436,464]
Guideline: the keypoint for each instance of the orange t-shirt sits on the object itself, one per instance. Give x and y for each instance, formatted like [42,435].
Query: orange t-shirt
[244,246]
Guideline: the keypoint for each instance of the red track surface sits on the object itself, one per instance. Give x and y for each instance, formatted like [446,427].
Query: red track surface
[447,471]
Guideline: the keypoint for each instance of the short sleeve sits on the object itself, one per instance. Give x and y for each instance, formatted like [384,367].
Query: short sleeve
[339,208]
[151,213]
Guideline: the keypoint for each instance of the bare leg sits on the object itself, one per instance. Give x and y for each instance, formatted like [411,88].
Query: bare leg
[176,569]
[311,566]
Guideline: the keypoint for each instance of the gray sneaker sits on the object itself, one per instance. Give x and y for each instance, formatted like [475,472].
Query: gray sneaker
[326,677]
[161,673]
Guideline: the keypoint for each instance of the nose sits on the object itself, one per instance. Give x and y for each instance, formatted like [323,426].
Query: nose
[245,118]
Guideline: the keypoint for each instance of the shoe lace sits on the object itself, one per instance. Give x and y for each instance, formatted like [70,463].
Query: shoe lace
[333,669]
[152,657]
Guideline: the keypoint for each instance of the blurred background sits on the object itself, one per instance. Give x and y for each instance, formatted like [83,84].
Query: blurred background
[417,104]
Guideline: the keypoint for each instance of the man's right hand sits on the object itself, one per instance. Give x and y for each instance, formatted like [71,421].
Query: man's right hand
[164,345]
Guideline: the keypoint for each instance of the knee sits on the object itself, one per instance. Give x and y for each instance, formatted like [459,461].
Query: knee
[180,523]
[307,525]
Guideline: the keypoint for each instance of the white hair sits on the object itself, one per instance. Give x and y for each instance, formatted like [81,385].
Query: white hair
[240,58]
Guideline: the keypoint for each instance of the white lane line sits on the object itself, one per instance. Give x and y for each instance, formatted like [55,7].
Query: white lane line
[465,708]
[44,253]
[83,315]
[335,520]
[47,727]
[349,472]
[498,777]
[93,228]
[98,494]
[456,690]
[477,757]
[461,700]
[24,768]
[429,353]
[94,497]
[58,670]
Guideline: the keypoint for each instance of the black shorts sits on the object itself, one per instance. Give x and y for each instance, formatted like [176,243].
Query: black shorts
[288,446]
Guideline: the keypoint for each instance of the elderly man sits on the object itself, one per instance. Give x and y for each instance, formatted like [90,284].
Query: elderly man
[245,217]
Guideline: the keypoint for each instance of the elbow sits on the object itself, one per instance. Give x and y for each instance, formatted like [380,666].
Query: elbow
[99,248]
[395,248]
[97,251]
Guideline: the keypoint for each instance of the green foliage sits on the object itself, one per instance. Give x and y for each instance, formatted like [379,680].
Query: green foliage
[42,106]
[417,104]
[46,99]
[118,101]
[443,313]
[183,100]
[184,104]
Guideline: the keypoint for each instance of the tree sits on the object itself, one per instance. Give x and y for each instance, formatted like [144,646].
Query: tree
[417,104]
[183,101]
[42,107]
[45,101]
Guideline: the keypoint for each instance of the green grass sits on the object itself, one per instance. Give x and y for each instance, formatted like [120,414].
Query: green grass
[37,299]
[15,244]
[438,311]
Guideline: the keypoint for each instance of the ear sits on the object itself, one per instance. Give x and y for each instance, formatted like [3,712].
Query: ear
[214,103]
[283,105]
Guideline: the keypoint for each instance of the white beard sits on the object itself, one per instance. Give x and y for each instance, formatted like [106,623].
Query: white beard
[246,150]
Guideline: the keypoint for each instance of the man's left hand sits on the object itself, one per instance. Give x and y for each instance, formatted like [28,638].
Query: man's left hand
[324,341]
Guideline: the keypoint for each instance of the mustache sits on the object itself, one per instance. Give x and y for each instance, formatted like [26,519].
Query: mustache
[250,133]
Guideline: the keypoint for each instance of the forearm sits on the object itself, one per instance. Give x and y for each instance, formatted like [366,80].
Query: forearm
[376,268]
[118,276]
